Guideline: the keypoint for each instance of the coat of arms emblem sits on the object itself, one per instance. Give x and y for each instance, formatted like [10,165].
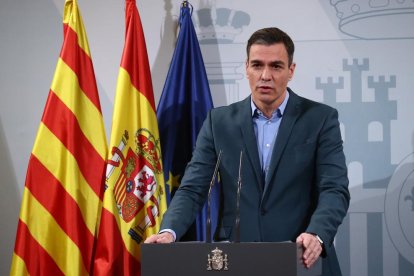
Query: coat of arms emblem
[217,261]
[135,183]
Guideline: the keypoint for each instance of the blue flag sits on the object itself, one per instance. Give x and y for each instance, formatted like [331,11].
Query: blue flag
[183,107]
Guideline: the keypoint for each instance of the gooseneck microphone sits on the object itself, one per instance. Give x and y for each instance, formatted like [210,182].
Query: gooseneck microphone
[208,222]
[239,185]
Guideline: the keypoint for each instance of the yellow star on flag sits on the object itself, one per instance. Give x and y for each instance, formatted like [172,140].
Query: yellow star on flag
[173,181]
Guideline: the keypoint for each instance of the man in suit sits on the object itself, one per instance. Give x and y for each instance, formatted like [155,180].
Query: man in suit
[295,184]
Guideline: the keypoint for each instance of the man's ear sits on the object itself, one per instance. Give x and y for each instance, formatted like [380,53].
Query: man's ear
[292,70]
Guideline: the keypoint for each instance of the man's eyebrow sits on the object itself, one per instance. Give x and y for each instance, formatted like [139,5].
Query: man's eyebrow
[255,61]
[275,62]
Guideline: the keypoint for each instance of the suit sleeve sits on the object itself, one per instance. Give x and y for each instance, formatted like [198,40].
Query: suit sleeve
[332,182]
[194,186]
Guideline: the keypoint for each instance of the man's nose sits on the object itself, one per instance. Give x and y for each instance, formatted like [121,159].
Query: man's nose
[266,74]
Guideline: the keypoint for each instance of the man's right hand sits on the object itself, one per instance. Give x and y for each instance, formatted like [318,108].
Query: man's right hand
[164,237]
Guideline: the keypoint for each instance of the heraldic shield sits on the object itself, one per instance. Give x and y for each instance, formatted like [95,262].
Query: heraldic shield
[136,183]
[217,261]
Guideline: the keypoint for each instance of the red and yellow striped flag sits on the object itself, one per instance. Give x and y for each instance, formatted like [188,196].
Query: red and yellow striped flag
[64,182]
[134,200]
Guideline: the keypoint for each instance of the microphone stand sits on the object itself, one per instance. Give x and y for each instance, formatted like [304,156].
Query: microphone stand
[208,222]
[239,185]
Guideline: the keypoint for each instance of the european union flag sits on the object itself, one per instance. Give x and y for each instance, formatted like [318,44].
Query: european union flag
[183,107]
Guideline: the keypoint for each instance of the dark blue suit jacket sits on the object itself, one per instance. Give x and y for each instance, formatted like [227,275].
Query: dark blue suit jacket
[306,189]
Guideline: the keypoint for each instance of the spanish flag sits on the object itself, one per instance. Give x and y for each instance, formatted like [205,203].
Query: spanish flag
[134,199]
[63,191]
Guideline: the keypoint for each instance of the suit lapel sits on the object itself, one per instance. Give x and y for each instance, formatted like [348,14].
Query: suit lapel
[249,138]
[289,118]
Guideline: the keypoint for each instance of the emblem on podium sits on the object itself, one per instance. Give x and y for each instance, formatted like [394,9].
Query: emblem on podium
[217,261]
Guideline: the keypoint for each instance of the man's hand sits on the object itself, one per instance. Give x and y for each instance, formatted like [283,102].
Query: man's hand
[312,248]
[164,237]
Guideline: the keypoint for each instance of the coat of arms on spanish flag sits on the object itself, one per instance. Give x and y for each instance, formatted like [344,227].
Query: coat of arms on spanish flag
[136,165]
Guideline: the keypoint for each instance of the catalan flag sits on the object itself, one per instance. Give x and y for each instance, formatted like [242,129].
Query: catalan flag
[63,191]
[134,199]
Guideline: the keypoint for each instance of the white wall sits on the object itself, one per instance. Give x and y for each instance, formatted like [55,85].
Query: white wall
[356,55]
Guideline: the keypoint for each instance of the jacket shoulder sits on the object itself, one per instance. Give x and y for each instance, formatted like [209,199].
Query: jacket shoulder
[231,110]
[310,105]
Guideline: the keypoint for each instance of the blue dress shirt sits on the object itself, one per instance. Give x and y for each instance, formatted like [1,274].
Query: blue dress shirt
[266,130]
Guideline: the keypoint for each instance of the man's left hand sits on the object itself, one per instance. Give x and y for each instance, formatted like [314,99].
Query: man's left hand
[312,248]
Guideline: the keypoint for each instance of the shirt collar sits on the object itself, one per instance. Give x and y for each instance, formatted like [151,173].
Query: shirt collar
[280,109]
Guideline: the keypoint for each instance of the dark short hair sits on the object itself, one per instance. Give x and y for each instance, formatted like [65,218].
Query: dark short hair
[270,36]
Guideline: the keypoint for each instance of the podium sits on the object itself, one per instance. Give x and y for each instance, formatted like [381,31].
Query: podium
[226,259]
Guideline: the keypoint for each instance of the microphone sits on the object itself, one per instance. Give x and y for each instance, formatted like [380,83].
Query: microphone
[239,185]
[208,222]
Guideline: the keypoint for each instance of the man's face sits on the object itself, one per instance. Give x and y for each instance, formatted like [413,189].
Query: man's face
[268,71]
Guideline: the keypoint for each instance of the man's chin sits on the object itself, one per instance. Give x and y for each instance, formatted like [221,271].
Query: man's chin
[265,97]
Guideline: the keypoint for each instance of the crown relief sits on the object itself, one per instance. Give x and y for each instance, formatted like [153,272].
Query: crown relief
[219,24]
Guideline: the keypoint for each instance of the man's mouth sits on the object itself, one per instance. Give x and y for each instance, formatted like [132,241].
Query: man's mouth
[265,87]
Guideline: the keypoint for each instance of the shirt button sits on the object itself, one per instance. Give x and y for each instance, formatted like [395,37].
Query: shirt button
[267,145]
